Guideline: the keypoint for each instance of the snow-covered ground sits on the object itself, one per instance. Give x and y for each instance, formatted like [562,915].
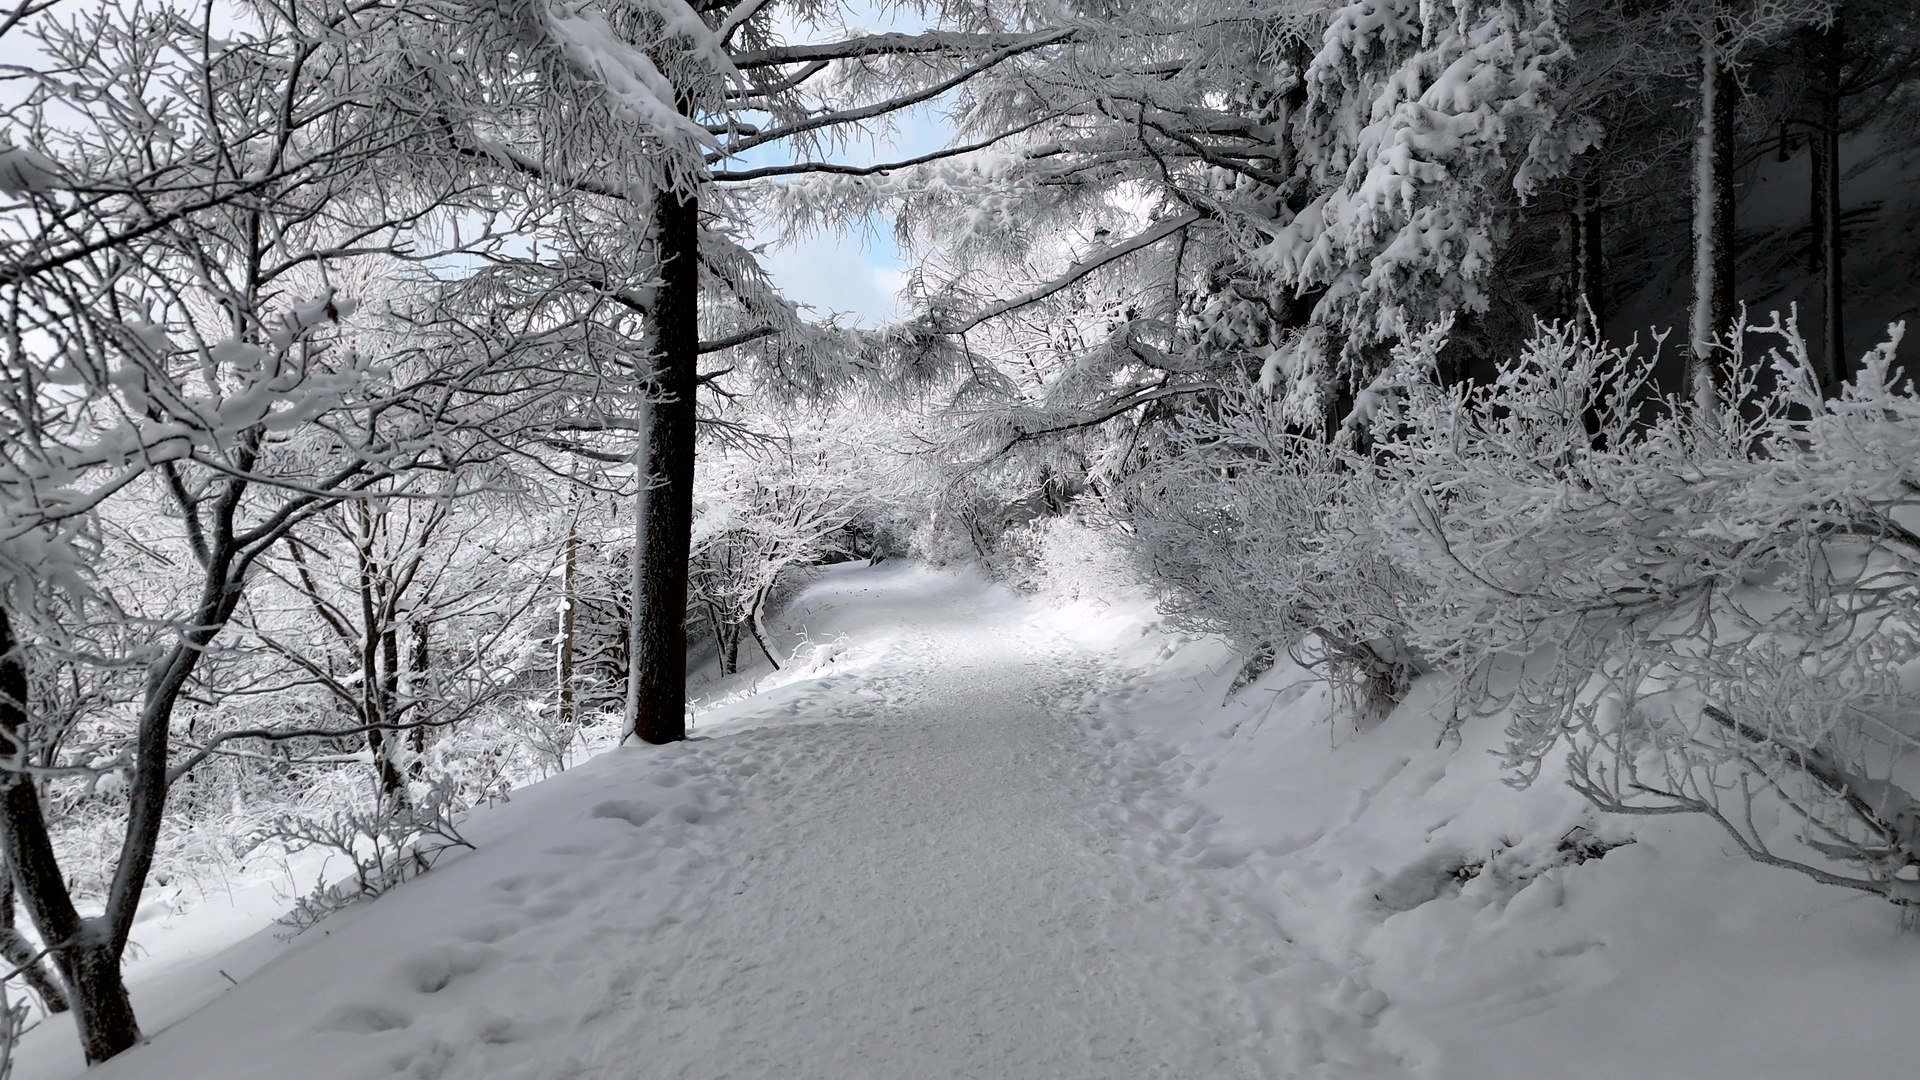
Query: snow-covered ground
[967,834]
[1466,936]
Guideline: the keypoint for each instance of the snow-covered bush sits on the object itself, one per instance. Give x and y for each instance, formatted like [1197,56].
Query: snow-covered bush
[1081,555]
[1266,536]
[1712,609]
[387,841]
[963,523]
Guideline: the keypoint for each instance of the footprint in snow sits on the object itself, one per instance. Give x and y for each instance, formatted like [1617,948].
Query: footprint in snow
[632,811]
[364,1019]
[489,933]
[433,970]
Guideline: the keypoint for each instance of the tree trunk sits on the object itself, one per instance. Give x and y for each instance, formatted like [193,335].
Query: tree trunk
[1711,366]
[719,626]
[1588,263]
[753,622]
[84,950]
[569,618]
[1828,52]
[17,951]
[386,744]
[102,1009]
[636,573]
[417,663]
[378,641]
[392,784]
[660,655]
[88,951]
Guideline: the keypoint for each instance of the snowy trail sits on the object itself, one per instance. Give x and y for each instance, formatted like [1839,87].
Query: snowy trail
[935,864]
[919,897]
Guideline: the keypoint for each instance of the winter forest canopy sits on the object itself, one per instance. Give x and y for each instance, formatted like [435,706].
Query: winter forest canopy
[397,406]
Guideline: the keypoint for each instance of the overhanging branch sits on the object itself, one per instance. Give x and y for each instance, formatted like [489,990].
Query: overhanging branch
[723,176]
[1081,269]
[740,338]
[889,45]
[1020,45]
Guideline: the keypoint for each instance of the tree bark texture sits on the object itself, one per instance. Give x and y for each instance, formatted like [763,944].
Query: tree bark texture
[1713,239]
[660,706]
[1828,52]
[19,953]
[1587,263]
[569,619]
[421,657]
[85,950]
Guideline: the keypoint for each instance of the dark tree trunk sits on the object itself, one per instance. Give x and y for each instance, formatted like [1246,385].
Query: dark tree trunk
[102,1009]
[1713,237]
[87,952]
[385,745]
[1827,53]
[19,953]
[569,620]
[417,663]
[753,622]
[660,708]
[378,642]
[722,630]
[390,664]
[392,784]
[1588,263]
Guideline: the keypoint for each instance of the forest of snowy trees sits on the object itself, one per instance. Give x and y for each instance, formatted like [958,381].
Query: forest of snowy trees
[396,404]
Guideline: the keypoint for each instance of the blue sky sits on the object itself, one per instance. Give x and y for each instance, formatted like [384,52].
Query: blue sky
[857,272]
[855,275]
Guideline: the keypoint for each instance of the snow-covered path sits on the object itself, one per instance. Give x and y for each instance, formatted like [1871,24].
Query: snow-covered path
[926,866]
[921,895]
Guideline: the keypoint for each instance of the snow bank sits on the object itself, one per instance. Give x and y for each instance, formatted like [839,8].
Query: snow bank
[1486,932]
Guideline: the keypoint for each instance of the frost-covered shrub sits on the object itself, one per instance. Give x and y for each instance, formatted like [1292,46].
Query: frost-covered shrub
[761,518]
[387,841]
[1713,610]
[1081,555]
[963,524]
[1267,537]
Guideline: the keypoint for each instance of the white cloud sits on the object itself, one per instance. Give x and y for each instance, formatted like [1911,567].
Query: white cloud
[834,274]
[890,280]
[860,273]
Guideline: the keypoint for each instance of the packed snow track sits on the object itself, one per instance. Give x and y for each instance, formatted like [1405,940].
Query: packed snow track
[917,859]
